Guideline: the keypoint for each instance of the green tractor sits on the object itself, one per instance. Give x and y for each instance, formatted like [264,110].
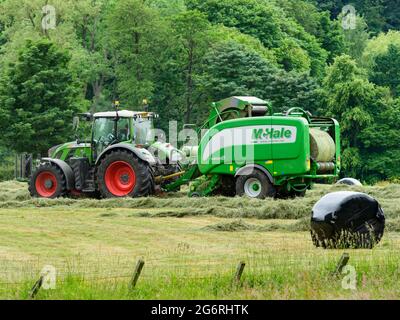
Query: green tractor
[121,159]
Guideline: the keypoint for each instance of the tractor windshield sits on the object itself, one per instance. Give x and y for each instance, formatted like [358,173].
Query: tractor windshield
[107,131]
[143,131]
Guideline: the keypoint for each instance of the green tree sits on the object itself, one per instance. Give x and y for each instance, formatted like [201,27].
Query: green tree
[192,30]
[391,12]
[37,99]
[386,70]
[329,33]
[377,46]
[232,69]
[133,36]
[347,94]
[333,6]
[292,89]
[380,15]
[168,7]
[79,29]
[380,142]
[2,36]
[258,19]
[295,48]
[373,11]
[369,120]
[91,56]
[356,39]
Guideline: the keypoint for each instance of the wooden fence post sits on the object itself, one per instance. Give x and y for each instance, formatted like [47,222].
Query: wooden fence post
[239,272]
[136,274]
[16,166]
[36,287]
[344,259]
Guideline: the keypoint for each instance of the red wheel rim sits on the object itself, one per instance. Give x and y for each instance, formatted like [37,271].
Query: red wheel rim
[46,184]
[120,178]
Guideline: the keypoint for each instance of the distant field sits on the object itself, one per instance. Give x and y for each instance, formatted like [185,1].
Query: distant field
[191,248]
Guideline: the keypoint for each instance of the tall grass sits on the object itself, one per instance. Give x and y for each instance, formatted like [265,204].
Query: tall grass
[288,275]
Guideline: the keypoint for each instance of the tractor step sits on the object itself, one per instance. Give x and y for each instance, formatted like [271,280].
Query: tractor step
[89,186]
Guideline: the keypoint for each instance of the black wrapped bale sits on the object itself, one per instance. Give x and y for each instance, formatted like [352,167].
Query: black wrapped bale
[347,219]
[349,182]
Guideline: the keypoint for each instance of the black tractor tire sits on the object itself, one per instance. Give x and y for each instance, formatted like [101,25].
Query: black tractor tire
[137,173]
[255,185]
[48,181]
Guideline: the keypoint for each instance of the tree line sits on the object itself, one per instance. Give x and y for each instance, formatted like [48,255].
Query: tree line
[180,55]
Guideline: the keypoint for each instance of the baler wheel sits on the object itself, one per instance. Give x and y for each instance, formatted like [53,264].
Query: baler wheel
[255,185]
[122,174]
[48,181]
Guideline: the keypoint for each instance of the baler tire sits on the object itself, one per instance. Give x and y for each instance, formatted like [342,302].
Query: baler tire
[47,172]
[267,189]
[140,172]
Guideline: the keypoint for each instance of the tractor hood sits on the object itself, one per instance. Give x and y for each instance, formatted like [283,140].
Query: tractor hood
[62,151]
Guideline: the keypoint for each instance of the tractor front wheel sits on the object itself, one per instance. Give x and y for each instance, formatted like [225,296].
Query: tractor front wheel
[122,174]
[48,181]
[254,185]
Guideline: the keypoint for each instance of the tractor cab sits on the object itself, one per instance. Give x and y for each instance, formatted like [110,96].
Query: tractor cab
[123,126]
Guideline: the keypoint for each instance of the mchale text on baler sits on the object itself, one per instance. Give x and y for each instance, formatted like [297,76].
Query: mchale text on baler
[246,150]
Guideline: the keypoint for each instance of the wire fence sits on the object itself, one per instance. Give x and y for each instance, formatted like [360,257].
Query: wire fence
[123,268]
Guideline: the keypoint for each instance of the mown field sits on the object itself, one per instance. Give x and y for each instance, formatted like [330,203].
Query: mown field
[191,248]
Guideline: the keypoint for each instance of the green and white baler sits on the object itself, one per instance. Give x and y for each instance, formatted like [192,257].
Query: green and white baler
[248,150]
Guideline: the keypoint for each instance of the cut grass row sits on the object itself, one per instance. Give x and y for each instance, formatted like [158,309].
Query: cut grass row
[15,195]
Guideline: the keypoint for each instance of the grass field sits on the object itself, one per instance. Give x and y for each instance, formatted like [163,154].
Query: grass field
[191,248]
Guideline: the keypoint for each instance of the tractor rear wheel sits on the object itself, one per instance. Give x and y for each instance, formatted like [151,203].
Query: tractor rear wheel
[48,181]
[255,185]
[122,174]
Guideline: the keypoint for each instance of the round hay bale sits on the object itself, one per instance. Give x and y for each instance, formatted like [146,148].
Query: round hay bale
[347,219]
[349,182]
[323,147]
